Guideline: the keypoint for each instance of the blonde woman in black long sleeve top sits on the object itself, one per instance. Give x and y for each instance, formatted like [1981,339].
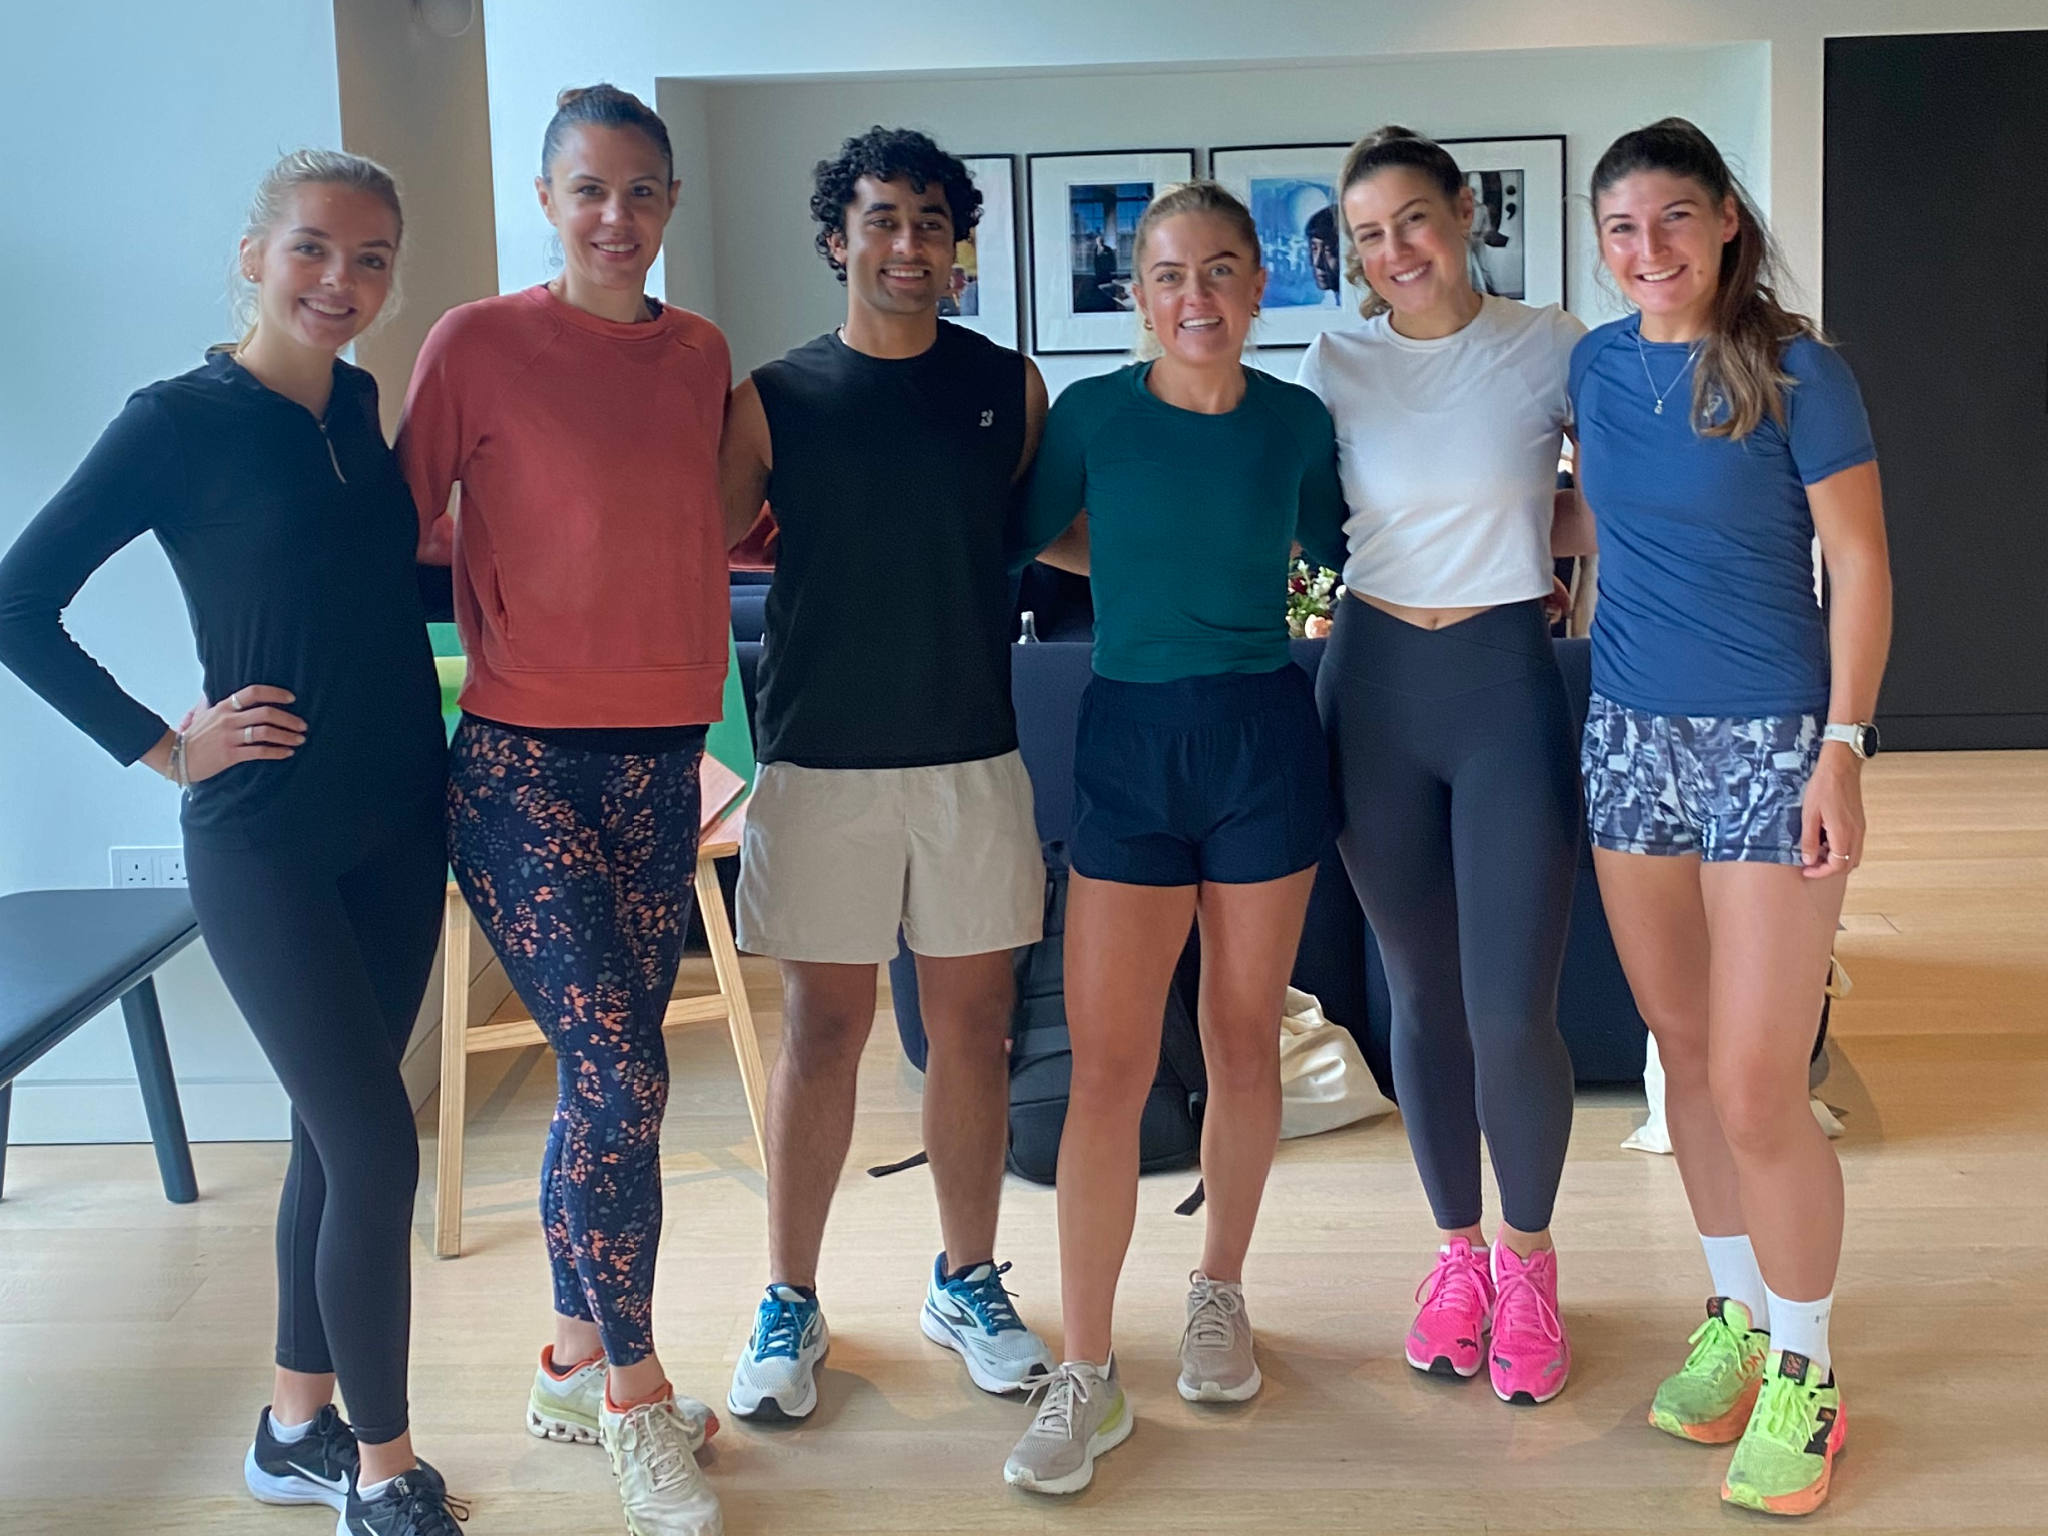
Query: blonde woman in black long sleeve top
[314,831]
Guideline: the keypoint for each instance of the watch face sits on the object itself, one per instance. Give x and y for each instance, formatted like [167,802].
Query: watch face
[1866,740]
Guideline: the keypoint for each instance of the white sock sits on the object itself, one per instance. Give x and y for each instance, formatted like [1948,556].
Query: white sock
[290,1434]
[1801,1328]
[369,1491]
[1732,1263]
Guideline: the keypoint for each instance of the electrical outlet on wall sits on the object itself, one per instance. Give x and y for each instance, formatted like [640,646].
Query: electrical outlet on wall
[145,866]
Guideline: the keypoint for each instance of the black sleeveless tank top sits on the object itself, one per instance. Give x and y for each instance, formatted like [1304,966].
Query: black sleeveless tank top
[886,642]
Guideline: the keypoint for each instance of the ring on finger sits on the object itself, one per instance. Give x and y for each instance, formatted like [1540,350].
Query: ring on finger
[248,734]
[1839,858]
[235,698]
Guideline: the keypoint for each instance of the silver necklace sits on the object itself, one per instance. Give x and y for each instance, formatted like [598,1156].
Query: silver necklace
[1663,394]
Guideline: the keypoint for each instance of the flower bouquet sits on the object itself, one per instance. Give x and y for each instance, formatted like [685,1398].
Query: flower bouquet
[1312,594]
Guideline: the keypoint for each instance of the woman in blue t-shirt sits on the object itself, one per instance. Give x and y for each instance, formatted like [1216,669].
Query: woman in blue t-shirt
[1201,786]
[1719,435]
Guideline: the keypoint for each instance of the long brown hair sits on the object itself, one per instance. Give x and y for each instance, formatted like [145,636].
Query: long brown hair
[1742,362]
[1378,151]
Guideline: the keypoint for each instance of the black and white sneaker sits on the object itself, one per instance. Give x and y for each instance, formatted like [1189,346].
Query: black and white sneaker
[414,1503]
[316,1469]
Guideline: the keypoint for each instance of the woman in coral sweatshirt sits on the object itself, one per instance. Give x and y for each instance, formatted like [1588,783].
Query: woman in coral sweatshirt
[581,420]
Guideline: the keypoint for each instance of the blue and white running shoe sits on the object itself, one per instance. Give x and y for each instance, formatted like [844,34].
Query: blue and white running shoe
[971,1313]
[774,1377]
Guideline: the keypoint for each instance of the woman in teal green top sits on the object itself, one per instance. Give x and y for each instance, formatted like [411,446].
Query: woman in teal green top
[1201,784]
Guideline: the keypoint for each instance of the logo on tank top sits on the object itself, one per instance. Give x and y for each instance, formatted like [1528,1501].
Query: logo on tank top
[988,418]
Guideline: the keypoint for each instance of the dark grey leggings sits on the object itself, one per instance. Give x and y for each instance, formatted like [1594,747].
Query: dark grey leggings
[329,966]
[1461,819]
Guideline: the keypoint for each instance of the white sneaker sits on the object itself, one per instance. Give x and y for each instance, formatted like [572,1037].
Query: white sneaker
[568,1407]
[972,1315]
[663,1491]
[774,1377]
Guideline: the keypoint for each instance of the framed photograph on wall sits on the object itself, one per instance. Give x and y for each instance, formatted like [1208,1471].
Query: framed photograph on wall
[1291,190]
[1084,217]
[984,292]
[1518,214]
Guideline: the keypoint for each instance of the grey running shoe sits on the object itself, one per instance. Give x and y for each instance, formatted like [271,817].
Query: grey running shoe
[1083,1415]
[1216,1361]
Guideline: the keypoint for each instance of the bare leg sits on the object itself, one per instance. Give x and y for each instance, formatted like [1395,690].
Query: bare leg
[966,1002]
[1772,931]
[827,1013]
[1659,922]
[296,1397]
[1249,937]
[1122,942]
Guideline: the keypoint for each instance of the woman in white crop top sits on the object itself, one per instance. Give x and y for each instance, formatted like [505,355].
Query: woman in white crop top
[1454,739]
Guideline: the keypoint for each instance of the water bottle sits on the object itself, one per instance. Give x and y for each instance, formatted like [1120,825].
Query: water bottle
[1028,630]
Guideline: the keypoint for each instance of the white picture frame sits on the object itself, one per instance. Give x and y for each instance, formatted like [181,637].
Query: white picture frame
[1084,211]
[988,298]
[1289,188]
[1519,182]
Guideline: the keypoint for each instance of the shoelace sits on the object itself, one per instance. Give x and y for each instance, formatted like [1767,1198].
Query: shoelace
[1056,1414]
[1519,1303]
[660,1429]
[989,1300]
[1784,1411]
[1210,1325]
[429,1509]
[778,1330]
[1716,1348]
[1456,1280]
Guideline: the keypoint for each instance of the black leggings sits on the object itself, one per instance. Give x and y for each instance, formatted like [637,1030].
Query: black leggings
[1461,820]
[329,966]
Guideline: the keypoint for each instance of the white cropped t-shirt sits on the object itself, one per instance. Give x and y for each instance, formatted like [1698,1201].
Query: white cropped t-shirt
[1448,451]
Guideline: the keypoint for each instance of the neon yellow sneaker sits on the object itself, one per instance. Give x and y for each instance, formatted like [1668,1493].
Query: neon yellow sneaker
[1787,1453]
[1709,1399]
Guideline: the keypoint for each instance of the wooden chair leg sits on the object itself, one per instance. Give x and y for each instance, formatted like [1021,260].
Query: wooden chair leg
[725,961]
[159,1092]
[456,929]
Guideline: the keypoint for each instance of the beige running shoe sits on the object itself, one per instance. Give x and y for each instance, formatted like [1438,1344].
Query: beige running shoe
[1084,1414]
[566,1405]
[1216,1360]
[660,1485]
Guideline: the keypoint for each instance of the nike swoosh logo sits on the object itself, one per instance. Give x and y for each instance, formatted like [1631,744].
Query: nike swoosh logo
[332,1484]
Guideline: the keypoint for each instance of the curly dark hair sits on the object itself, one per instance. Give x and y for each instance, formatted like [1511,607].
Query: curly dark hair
[888,154]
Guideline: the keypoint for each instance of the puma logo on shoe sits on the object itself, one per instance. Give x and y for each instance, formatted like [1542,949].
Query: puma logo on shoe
[1824,1424]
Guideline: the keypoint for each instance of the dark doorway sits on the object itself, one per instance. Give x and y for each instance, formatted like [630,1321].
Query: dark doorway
[1936,273]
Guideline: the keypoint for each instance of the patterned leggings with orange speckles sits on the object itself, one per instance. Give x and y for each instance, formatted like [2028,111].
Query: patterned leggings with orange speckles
[578,866]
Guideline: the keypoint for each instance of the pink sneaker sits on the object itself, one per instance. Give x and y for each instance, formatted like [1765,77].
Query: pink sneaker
[1457,1306]
[1531,1356]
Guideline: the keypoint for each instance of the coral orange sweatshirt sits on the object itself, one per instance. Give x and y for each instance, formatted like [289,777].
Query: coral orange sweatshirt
[589,544]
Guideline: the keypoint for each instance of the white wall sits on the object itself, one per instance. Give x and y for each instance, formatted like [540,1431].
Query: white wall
[533,53]
[770,291]
[137,132]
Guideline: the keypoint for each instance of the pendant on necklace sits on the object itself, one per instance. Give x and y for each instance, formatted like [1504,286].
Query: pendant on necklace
[1660,408]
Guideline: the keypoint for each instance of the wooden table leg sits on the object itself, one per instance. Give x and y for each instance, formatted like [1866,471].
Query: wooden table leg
[725,960]
[455,934]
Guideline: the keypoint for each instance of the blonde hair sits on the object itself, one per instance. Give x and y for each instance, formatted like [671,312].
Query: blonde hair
[304,168]
[1174,199]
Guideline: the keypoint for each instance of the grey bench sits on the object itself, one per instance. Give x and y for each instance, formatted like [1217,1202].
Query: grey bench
[64,956]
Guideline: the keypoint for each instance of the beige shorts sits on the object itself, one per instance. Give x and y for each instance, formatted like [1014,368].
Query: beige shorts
[836,859]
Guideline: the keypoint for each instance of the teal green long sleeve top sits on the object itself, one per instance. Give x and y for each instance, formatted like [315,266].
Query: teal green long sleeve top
[1192,518]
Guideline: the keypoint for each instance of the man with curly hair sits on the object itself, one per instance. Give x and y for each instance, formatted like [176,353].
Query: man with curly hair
[891,794]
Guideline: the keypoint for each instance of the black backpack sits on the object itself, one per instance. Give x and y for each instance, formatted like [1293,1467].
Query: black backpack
[1041,1055]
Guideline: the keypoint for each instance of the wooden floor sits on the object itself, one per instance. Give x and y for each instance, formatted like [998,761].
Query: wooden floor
[135,1335]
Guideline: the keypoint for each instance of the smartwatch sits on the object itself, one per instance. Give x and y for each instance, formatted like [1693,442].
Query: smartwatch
[1860,739]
